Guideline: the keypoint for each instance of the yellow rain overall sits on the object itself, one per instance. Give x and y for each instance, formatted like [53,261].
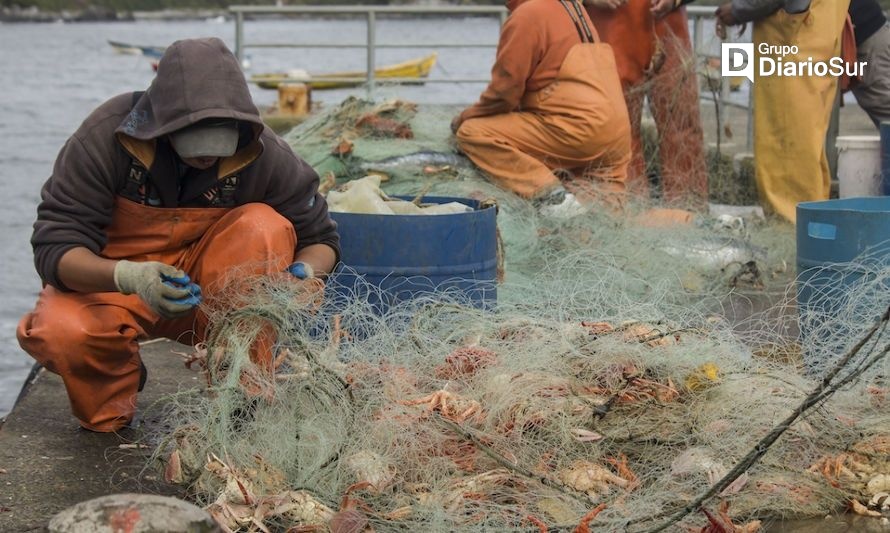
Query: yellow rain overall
[791,114]
[92,339]
[578,122]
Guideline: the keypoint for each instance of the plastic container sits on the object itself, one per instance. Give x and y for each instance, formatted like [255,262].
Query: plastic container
[392,258]
[831,235]
[885,157]
[859,166]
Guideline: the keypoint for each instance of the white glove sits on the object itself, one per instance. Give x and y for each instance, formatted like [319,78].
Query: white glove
[151,280]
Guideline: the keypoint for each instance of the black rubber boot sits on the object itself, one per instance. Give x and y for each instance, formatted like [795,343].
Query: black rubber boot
[143,376]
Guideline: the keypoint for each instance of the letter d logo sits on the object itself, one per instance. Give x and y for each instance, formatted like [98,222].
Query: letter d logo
[737,59]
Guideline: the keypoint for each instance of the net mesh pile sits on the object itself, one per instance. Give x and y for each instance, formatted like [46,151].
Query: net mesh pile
[621,375]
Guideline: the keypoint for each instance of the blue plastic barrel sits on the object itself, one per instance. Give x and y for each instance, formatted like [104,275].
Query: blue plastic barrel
[838,243]
[388,259]
[885,158]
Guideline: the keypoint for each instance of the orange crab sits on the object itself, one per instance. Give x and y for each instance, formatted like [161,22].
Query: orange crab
[449,405]
[464,362]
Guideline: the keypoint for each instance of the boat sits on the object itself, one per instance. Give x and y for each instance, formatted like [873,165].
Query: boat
[407,71]
[151,52]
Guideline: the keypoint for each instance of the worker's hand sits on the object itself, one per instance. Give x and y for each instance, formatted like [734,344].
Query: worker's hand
[166,289]
[660,8]
[724,14]
[724,18]
[455,124]
[301,270]
[605,4]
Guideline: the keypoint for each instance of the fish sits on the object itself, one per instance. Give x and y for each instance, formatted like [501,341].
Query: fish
[717,252]
[418,160]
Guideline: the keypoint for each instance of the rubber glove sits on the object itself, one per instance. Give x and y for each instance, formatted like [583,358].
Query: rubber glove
[301,270]
[147,279]
[194,297]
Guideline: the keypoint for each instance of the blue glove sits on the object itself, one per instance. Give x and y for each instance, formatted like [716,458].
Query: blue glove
[301,270]
[194,290]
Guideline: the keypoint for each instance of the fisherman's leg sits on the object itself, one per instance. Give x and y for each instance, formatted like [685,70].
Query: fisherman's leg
[508,148]
[791,114]
[637,178]
[91,341]
[873,93]
[673,97]
[248,241]
[605,181]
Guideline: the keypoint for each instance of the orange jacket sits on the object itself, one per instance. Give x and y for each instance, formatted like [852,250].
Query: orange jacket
[534,42]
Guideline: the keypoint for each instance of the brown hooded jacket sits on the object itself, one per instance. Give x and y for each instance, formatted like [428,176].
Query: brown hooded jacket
[121,149]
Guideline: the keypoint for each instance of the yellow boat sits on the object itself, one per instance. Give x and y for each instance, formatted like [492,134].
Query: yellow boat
[412,69]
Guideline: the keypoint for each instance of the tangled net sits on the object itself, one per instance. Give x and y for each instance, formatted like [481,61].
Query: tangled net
[618,379]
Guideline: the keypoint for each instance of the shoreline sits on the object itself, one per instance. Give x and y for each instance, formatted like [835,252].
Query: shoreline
[99,14]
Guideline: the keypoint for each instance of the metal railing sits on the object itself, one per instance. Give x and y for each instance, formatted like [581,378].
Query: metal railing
[698,15]
[370,13]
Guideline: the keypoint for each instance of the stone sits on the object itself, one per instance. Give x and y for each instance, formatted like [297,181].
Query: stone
[133,513]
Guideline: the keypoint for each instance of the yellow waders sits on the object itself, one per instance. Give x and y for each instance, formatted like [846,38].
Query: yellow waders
[791,114]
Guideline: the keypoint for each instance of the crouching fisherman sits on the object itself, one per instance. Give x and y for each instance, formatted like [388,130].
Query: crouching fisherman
[554,102]
[155,196]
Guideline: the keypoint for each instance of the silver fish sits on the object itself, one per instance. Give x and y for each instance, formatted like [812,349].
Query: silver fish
[717,252]
[417,159]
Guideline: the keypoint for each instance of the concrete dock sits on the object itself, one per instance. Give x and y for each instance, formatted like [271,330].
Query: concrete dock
[48,463]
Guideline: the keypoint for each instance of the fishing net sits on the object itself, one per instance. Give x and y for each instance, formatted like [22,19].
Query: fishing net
[624,371]
[441,417]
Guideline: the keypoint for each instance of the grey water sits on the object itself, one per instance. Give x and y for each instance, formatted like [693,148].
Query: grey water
[55,74]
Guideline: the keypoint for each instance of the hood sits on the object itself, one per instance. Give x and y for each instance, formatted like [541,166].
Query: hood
[196,79]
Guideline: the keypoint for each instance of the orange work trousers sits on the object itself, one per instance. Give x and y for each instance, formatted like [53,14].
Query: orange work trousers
[655,60]
[577,123]
[92,339]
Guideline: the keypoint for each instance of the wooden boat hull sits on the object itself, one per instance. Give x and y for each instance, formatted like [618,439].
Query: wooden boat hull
[152,52]
[414,69]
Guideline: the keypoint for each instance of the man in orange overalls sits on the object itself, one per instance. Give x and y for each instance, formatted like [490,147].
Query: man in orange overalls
[655,59]
[155,196]
[554,102]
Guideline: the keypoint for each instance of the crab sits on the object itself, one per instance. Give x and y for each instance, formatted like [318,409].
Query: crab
[473,488]
[449,405]
[841,468]
[722,522]
[372,469]
[239,506]
[594,480]
[464,362]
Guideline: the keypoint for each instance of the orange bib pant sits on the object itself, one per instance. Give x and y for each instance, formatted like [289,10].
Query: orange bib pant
[92,339]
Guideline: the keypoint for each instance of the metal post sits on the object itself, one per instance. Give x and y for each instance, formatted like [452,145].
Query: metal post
[372,47]
[239,37]
[831,139]
[749,137]
[698,28]
[724,97]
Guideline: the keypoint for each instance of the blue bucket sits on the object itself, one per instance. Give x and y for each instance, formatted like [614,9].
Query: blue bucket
[831,235]
[885,158]
[389,259]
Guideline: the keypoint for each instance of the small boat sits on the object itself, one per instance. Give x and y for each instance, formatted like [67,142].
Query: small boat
[413,69]
[151,52]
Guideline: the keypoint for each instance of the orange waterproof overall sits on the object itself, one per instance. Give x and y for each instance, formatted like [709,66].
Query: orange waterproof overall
[655,60]
[578,122]
[92,339]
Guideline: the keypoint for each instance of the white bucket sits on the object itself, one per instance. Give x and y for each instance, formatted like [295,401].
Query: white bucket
[859,165]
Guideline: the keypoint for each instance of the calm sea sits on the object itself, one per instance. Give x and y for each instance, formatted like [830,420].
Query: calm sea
[55,74]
